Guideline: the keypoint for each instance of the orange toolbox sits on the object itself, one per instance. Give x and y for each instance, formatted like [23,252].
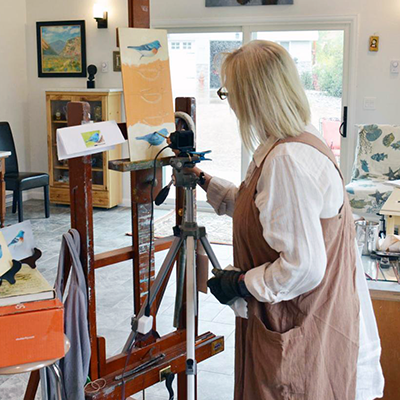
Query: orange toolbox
[31,332]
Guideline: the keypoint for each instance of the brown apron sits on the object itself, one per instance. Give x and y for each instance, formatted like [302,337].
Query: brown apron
[305,348]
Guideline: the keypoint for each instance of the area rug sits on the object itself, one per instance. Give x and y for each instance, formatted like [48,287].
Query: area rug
[218,228]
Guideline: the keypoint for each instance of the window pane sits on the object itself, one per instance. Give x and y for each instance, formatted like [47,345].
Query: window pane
[195,73]
[319,59]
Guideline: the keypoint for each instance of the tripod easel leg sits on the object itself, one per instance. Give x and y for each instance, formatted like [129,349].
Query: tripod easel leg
[210,252]
[191,292]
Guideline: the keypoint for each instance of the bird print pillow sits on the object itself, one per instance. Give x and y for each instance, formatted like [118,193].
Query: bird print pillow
[378,152]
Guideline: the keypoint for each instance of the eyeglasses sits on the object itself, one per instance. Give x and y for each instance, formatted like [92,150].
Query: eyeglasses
[222,93]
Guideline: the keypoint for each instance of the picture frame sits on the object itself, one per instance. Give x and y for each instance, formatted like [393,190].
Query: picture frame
[61,49]
[374,43]
[116,61]
[246,3]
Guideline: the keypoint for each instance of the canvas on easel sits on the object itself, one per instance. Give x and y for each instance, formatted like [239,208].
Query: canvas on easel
[147,91]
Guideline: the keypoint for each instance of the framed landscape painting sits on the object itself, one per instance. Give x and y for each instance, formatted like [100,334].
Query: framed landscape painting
[61,48]
[230,3]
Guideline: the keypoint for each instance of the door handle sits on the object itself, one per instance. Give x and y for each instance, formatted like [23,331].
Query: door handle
[343,126]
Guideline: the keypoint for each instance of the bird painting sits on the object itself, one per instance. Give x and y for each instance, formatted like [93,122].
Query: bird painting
[1,251]
[95,139]
[155,138]
[147,50]
[18,239]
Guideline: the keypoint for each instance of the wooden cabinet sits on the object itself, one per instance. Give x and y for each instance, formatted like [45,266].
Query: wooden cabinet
[386,302]
[105,105]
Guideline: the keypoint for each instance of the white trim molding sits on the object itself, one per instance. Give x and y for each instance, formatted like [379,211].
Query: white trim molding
[237,23]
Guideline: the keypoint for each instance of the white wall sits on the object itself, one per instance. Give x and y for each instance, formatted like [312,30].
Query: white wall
[100,43]
[13,75]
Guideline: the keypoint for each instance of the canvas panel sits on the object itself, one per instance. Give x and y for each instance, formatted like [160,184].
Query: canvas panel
[147,91]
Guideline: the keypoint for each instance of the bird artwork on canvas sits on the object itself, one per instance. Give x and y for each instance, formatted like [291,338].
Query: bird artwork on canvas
[19,238]
[148,49]
[92,139]
[147,91]
[155,138]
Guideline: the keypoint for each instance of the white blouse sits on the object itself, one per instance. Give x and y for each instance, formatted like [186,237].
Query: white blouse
[298,186]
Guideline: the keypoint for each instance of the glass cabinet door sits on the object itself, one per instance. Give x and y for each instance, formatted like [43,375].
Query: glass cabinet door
[58,118]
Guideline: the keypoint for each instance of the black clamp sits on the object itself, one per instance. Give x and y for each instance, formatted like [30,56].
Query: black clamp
[202,178]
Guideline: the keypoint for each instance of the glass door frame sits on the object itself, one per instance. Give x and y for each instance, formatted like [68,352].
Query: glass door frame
[349,25]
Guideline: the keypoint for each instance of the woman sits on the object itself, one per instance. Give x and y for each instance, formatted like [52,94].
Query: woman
[304,335]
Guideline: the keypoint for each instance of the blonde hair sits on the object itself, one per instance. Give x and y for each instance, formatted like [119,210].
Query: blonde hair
[265,92]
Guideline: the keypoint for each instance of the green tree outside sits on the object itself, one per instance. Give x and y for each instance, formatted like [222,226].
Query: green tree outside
[328,68]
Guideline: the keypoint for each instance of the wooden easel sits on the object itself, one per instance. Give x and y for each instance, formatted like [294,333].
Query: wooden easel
[173,345]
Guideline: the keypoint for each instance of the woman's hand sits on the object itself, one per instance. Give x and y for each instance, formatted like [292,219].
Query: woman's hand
[207,178]
[227,286]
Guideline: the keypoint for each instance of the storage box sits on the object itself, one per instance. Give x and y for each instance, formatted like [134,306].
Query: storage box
[31,332]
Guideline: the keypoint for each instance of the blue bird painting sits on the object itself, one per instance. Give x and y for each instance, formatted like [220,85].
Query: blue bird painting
[155,138]
[93,138]
[18,239]
[1,251]
[147,50]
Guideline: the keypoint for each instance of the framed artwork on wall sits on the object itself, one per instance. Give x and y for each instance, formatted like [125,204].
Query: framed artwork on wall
[230,3]
[61,49]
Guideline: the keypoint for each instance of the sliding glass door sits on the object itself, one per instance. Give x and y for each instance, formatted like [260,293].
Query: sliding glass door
[195,60]
[321,52]
[318,55]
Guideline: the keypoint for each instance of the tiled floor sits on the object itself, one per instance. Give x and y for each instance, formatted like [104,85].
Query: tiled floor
[114,298]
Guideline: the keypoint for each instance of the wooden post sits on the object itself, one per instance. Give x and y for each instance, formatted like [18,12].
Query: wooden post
[139,17]
[141,207]
[80,186]
[139,13]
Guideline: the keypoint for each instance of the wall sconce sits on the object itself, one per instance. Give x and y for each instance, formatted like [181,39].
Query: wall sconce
[100,15]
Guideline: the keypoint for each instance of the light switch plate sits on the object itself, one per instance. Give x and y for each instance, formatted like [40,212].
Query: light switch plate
[395,66]
[104,66]
[369,103]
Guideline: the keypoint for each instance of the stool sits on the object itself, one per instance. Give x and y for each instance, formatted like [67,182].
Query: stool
[51,364]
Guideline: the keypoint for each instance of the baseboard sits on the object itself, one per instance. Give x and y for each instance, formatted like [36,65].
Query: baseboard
[35,194]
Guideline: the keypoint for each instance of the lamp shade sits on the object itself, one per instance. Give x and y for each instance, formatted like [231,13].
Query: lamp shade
[98,11]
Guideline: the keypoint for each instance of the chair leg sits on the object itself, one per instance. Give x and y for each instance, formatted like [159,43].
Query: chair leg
[15,201]
[46,201]
[20,210]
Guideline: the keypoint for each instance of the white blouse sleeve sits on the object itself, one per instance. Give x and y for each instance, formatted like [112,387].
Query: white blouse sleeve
[221,195]
[290,205]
